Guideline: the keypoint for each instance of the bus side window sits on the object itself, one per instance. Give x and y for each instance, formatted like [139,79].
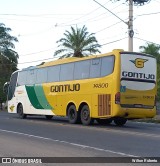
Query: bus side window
[81,70]
[107,65]
[53,73]
[22,78]
[66,72]
[31,76]
[95,68]
[41,75]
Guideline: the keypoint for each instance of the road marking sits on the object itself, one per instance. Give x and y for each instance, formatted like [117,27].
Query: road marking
[70,143]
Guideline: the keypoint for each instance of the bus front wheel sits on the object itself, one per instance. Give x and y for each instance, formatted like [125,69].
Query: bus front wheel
[85,116]
[120,121]
[20,112]
[72,114]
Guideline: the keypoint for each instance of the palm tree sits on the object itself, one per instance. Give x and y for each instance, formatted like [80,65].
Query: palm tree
[77,43]
[152,49]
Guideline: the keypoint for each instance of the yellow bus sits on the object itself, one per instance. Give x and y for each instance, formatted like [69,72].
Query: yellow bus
[115,86]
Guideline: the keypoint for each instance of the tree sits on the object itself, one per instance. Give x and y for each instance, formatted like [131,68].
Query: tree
[8,57]
[154,50]
[151,49]
[77,43]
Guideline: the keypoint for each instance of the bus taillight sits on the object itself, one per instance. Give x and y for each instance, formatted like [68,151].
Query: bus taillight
[117,98]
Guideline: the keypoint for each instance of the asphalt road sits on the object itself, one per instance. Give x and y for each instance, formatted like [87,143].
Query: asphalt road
[38,137]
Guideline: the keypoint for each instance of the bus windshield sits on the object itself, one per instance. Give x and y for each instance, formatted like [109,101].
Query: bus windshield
[12,85]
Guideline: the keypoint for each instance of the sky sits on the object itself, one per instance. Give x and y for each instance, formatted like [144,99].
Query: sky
[38,24]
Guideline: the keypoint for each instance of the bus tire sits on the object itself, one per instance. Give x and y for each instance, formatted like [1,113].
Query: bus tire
[104,121]
[120,121]
[20,112]
[48,117]
[72,114]
[85,116]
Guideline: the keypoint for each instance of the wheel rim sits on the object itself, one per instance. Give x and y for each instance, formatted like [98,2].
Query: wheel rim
[85,115]
[72,114]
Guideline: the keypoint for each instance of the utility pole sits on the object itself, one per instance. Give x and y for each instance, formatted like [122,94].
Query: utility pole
[130,22]
[130,27]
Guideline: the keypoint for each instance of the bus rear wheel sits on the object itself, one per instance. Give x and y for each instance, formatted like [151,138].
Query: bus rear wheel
[85,116]
[104,121]
[20,112]
[120,121]
[73,115]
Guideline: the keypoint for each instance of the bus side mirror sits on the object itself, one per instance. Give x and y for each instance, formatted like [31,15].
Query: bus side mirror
[5,87]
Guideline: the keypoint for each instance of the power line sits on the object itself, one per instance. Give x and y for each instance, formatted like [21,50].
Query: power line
[110,12]
[63,24]
[90,19]
[41,15]
[23,20]
[37,60]
[37,52]
[146,14]
[114,41]
[146,40]
[100,45]
[36,33]
[60,56]
[37,15]
[108,27]
[115,36]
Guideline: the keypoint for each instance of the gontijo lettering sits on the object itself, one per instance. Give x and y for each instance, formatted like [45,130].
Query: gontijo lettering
[65,88]
[138,75]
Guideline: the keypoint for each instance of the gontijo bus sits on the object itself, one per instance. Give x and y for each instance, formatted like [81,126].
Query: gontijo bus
[114,86]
